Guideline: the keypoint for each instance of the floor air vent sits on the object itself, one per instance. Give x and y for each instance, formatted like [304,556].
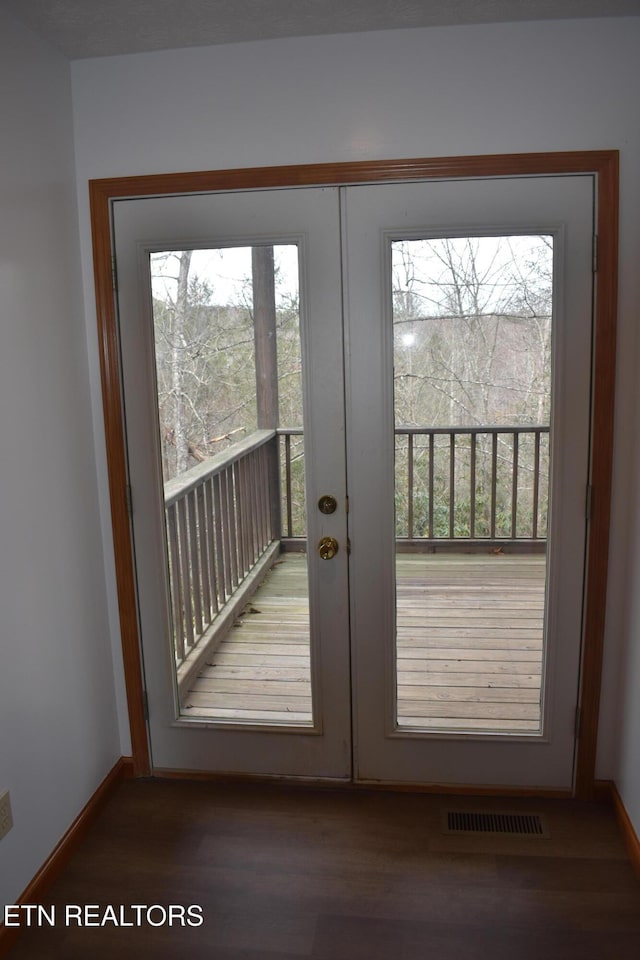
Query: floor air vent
[468,822]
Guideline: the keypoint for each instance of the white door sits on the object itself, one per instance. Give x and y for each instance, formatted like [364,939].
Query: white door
[466,666]
[396,628]
[310,742]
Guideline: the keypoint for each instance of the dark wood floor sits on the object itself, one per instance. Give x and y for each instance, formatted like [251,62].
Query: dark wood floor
[285,873]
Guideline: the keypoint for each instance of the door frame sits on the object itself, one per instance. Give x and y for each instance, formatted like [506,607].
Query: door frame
[603,164]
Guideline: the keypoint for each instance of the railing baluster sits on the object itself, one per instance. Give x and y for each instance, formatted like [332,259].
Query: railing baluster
[227,530]
[176,583]
[195,561]
[239,470]
[223,576]
[410,485]
[545,456]
[260,494]
[472,486]
[514,489]
[265,496]
[234,529]
[210,526]
[494,483]
[185,573]
[257,533]
[273,488]
[536,483]
[287,461]
[203,544]
[248,519]
[431,483]
[452,484]
[249,494]
[231,526]
[260,491]
[254,504]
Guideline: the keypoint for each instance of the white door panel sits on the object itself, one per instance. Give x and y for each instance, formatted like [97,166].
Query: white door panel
[309,219]
[375,216]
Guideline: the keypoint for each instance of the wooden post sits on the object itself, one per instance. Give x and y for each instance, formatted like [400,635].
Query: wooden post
[266,353]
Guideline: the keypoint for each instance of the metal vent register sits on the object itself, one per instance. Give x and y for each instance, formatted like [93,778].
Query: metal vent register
[467,822]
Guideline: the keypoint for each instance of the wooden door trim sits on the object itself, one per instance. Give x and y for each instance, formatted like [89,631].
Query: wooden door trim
[603,163]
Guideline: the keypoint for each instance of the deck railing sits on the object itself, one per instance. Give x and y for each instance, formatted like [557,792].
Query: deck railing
[473,484]
[220,521]
[485,483]
[292,482]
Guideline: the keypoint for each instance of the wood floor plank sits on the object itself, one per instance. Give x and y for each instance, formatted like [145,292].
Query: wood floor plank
[408,639]
[275,649]
[474,711]
[432,694]
[240,659]
[259,673]
[256,633]
[475,725]
[251,686]
[510,667]
[242,713]
[253,702]
[465,653]
[470,632]
[510,681]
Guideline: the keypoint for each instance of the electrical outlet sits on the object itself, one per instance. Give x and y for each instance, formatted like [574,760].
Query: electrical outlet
[6,820]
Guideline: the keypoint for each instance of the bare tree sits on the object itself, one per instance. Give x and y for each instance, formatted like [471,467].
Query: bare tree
[472,335]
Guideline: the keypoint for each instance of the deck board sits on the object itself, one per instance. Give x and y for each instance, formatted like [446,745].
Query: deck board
[469,646]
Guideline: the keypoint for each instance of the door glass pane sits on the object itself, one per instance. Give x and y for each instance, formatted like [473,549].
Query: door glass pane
[229,387]
[472,326]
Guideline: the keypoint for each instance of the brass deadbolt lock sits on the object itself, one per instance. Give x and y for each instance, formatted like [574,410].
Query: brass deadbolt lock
[327,504]
[327,548]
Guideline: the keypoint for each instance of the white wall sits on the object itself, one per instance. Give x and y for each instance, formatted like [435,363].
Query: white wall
[551,86]
[58,725]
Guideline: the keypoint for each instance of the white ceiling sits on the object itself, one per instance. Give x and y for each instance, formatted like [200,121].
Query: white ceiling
[98,28]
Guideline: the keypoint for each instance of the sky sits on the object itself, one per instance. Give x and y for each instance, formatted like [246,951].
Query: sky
[228,270]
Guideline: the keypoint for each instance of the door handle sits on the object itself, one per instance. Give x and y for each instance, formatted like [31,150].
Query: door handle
[327,548]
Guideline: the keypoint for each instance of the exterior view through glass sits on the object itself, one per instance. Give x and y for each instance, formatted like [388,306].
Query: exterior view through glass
[472,333]
[229,385]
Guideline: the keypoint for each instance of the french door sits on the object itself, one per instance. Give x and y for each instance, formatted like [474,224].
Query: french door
[445,349]
[319,744]
[490,642]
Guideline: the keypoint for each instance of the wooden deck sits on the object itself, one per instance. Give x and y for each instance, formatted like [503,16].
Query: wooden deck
[470,639]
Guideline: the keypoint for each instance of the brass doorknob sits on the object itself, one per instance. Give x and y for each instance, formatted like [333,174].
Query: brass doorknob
[327,548]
